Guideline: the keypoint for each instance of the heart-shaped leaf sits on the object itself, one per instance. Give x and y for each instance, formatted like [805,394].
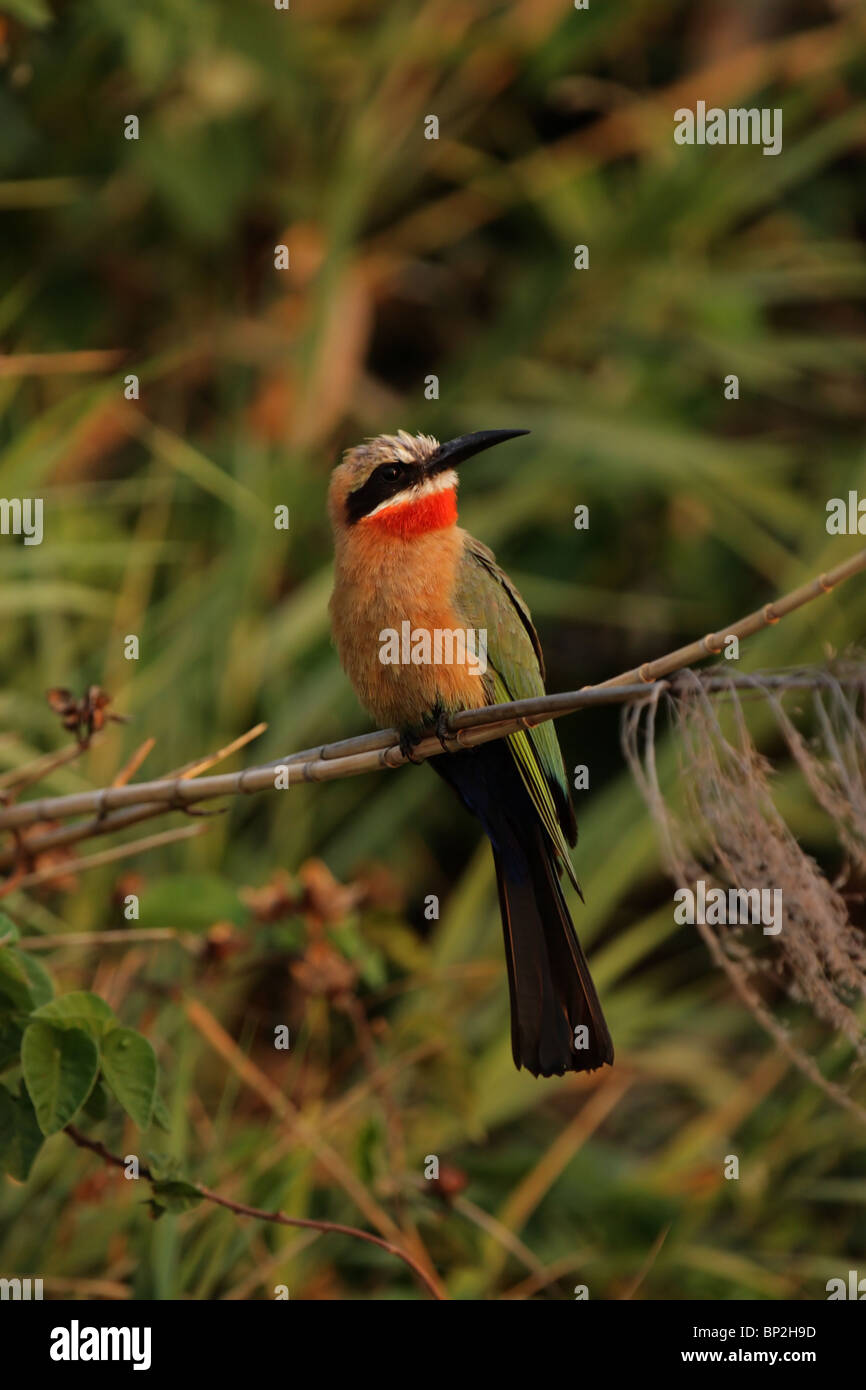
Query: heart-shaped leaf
[79,1009]
[129,1067]
[20,1136]
[60,1066]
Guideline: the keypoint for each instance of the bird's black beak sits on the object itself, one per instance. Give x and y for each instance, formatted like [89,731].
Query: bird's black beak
[456,450]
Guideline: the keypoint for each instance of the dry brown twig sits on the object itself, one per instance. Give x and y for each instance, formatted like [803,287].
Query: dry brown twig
[277,1218]
[115,808]
[40,877]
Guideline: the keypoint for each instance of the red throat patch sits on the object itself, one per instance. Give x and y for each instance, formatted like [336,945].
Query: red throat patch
[405,519]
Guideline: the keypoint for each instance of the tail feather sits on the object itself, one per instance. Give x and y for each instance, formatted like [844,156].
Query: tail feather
[557,1024]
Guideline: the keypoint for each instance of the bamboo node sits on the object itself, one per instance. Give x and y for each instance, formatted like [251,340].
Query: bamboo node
[715,651]
[645,675]
[770,614]
[826,584]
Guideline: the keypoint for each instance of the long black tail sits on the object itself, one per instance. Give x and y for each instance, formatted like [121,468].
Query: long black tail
[556,1020]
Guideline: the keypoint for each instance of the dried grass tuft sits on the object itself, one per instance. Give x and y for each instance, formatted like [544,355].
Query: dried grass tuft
[728,830]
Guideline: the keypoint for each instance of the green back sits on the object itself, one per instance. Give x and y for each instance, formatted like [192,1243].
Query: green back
[486,598]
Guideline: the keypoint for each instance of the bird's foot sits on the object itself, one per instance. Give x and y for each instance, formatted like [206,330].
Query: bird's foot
[409,740]
[443,731]
[439,728]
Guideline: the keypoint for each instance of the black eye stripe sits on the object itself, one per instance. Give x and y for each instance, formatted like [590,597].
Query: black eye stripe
[378,488]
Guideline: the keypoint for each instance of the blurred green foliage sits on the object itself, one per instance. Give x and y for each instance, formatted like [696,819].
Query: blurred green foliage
[409,258]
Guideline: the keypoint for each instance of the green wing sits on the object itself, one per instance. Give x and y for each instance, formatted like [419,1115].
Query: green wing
[486,598]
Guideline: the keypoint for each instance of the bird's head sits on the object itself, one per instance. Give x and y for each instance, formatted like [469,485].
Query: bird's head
[404,484]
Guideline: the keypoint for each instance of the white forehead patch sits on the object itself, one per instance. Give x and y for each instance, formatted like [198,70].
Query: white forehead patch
[440,482]
[410,448]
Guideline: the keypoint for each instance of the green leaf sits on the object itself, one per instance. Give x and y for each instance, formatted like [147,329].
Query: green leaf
[10,1042]
[161,1116]
[129,1067]
[79,1009]
[23,981]
[15,979]
[176,1195]
[60,1066]
[20,1136]
[8,930]
[41,983]
[96,1105]
[163,1167]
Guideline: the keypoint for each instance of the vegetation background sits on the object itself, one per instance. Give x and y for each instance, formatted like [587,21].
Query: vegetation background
[411,257]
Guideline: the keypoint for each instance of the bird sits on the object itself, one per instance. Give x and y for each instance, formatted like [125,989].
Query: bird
[402,559]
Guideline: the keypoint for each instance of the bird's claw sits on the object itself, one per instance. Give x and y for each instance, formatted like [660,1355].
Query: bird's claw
[443,731]
[409,741]
[410,738]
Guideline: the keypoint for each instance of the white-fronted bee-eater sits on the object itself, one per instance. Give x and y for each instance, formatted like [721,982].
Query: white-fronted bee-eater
[409,581]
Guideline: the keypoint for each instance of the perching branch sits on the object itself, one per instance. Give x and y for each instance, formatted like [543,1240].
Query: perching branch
[276,1217]
[114,808]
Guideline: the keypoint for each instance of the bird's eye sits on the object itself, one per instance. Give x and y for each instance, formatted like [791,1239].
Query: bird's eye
[390,472]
